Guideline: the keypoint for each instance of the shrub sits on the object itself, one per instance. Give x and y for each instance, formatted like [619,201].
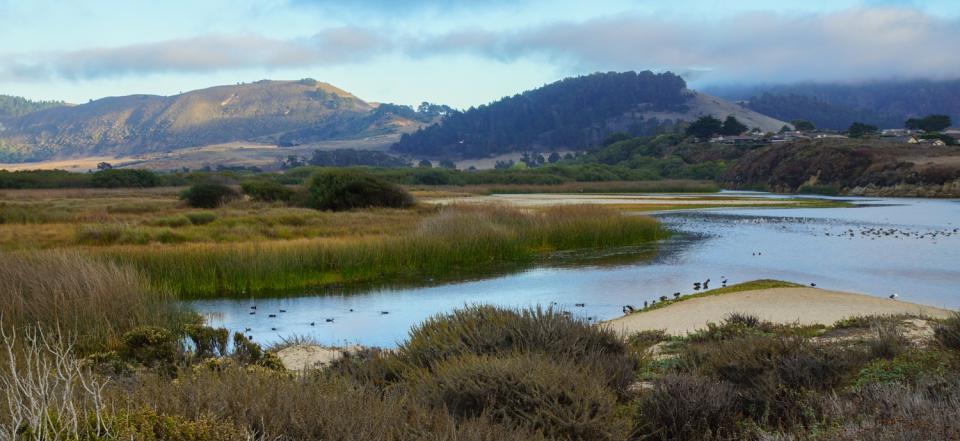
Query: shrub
[201,217]
[267,191]
[689,407]
[147,425]
[947,332]
[208,342]
[171,221]
[150,346]
[125,178]
[338,190]
[561,400]
[208,195]
[487,330]
[888,343]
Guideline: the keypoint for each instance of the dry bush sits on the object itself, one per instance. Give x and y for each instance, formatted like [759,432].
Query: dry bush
[270,405]
[561,400]
[689,407]
[94,301]
[486,330]
[45,393]
[947,332]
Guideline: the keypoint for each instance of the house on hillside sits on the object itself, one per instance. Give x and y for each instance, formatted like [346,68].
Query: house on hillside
[938,143]
[739,140]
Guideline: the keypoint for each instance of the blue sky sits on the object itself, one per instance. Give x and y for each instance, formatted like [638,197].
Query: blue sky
[461,53]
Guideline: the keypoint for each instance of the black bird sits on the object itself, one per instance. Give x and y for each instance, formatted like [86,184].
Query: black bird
[645,303]
[313,323]
[272,315]
[253,312]
[627,309]
[329,320]
[249,337]
[676,295]
[247,330]
[813,285]
[283,310]
[579,305]
[893,296]
[384,312]
[273,329]
[351,309]
[253,307]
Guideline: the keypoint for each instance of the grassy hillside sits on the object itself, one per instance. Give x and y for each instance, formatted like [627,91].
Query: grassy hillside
[262,111]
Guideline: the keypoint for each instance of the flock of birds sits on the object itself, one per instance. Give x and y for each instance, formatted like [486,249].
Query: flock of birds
[874,233]
[253,311]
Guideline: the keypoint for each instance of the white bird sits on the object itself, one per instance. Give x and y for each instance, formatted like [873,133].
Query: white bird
[894,295]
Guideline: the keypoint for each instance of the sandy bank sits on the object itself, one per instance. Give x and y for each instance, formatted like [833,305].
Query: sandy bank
[780,305]
[546,200]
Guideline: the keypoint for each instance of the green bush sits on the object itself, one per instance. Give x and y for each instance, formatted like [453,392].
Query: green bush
[689,407]
[208,342]
[125,178]
[487,330]
[208,195]
[947,332]
[561,400]
[347,189]
[171,221]
[267,191]
[147,425]
[150,346]
[201,217]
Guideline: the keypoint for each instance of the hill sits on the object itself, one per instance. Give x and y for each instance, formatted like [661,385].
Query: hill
[263,112]
[572,114]
[886,104]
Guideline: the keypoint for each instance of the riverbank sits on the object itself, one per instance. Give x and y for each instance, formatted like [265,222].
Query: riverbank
[784,305]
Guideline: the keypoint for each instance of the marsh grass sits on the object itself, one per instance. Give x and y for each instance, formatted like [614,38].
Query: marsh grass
[93,301]
[457,240]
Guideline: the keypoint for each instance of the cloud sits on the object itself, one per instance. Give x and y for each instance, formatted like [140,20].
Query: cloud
[208,53]
[854,44]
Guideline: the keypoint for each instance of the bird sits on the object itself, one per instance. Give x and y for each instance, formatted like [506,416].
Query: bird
[249,337]
[579,305]
[384,312]
[645,303]
[253,307]
[627,309]
[273,329]
[351,309]
[252,312]
[272,315]
[247,330]
[894,295]
[283,310]
[329,320]
[313,323]
[813,285]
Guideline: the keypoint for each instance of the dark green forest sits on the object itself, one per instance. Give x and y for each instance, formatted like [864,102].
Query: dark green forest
[11,106]
[571,113]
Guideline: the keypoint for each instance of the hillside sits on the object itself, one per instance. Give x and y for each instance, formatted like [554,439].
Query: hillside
[886,104]
[262,112]
[573,114]
[847,166]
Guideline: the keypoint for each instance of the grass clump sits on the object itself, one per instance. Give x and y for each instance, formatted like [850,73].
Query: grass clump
[685,407]
[208,195]
[338,190]
[267,191]
[559,399]
[95,302]
[201,217]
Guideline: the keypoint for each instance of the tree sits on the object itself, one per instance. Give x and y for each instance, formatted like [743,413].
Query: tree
[803,125]
[616,137]
[208,195]
[340,189]
[929,123]
[104,166]
[785,129]
[554,157]
[425,163]
[446,163]
[732,126]
[861,130]
[705,127]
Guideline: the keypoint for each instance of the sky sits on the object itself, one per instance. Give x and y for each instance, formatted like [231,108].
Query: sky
[461,53]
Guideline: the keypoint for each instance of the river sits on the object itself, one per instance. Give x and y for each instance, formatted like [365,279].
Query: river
[883,246]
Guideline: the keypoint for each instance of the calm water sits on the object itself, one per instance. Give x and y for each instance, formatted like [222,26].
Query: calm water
[905,246]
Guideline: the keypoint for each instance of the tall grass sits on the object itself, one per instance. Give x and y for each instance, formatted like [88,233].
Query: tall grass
[93,301]
[459,239]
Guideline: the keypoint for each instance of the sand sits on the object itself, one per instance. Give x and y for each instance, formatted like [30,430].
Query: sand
[780,305]
[307,356]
